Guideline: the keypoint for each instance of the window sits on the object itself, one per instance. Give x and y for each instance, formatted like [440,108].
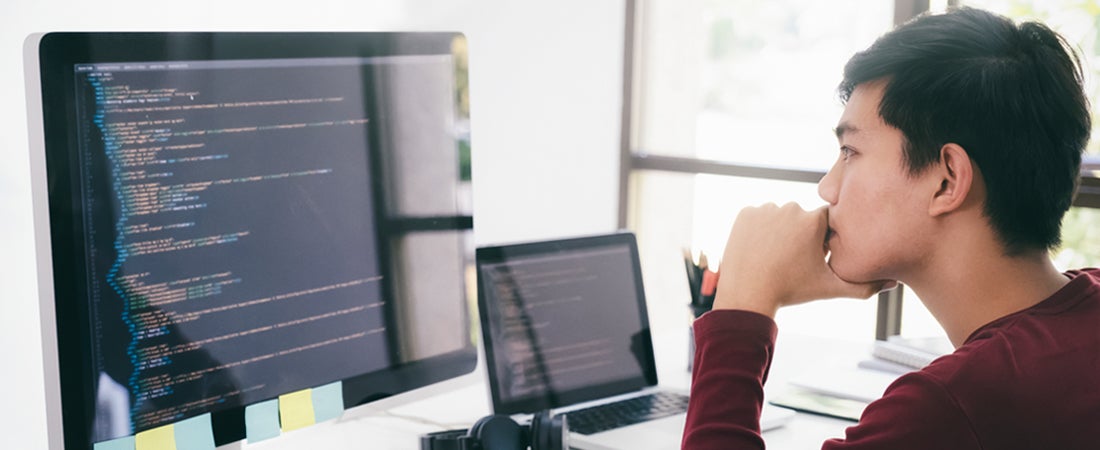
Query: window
[733,103]
[736,104]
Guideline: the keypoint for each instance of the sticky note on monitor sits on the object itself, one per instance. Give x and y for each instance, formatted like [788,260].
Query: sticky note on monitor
[328,401]
[122,443]
[296,410]
[261,421]
[159,438]
[195,433]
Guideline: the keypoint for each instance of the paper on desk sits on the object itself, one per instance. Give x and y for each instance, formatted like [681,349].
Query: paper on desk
[821,404]
[854,384]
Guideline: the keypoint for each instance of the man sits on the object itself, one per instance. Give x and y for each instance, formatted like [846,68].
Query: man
[960,146]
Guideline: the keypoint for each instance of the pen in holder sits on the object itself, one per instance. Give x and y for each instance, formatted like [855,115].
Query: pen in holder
[703,284]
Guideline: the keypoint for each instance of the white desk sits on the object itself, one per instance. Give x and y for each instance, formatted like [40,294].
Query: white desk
[795,355]
[400,427]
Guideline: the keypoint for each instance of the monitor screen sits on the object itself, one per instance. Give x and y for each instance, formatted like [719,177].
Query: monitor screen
[236,216]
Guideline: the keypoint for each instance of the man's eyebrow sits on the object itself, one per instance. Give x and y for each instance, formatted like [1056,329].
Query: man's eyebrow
[845,128]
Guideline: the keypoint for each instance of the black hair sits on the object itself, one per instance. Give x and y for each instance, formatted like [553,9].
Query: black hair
[1011,95]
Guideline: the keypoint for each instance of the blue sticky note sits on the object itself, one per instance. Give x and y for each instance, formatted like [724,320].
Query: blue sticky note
[328,401]
[261,421]
[195,433]
[122,443]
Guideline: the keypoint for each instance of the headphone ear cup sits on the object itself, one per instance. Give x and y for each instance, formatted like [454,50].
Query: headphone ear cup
[498,432]
[548,432]
[537,431]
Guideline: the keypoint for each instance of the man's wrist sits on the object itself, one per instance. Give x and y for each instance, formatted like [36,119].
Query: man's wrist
[753,300]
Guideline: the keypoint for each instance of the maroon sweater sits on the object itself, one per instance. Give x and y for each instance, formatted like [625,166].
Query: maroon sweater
[1029,380]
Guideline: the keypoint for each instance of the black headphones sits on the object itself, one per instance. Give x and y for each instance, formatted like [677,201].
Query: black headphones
[499,432]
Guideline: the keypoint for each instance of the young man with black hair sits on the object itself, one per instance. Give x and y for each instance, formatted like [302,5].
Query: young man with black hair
[960,147]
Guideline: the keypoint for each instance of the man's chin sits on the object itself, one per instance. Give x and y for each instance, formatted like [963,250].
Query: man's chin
[856,275]
[847,273]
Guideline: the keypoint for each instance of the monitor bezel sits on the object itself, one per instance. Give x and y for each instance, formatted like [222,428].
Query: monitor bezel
[58,226]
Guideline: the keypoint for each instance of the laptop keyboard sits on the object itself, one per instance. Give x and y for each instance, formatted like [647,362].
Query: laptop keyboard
[626,412]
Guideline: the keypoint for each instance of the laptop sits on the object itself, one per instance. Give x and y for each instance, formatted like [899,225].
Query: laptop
[565,328]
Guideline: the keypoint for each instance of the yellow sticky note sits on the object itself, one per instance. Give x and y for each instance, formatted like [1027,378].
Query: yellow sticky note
[160,438]
[296,410]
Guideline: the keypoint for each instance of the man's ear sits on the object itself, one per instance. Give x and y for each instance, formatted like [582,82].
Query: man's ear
[955,174]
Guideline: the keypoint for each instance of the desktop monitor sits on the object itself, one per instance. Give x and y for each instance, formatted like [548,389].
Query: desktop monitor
[222,218]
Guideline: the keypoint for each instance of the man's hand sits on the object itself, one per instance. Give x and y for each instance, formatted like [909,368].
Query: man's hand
[775,256]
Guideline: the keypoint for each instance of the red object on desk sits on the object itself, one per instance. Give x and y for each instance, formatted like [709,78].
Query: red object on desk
[710,283]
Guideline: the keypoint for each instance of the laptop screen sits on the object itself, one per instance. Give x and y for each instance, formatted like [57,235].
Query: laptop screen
[563,322]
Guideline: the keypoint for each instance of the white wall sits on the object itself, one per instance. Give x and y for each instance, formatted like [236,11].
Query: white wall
[545,98]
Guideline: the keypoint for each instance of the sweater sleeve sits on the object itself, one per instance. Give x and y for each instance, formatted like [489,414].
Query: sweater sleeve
[915,412]
[733,351]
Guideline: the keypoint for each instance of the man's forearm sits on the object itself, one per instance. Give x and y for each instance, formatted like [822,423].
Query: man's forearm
[732,355]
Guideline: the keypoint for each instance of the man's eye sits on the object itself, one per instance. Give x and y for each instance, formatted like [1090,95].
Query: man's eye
[845,153]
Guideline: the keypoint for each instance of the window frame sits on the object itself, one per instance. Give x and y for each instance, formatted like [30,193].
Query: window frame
[634,159]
